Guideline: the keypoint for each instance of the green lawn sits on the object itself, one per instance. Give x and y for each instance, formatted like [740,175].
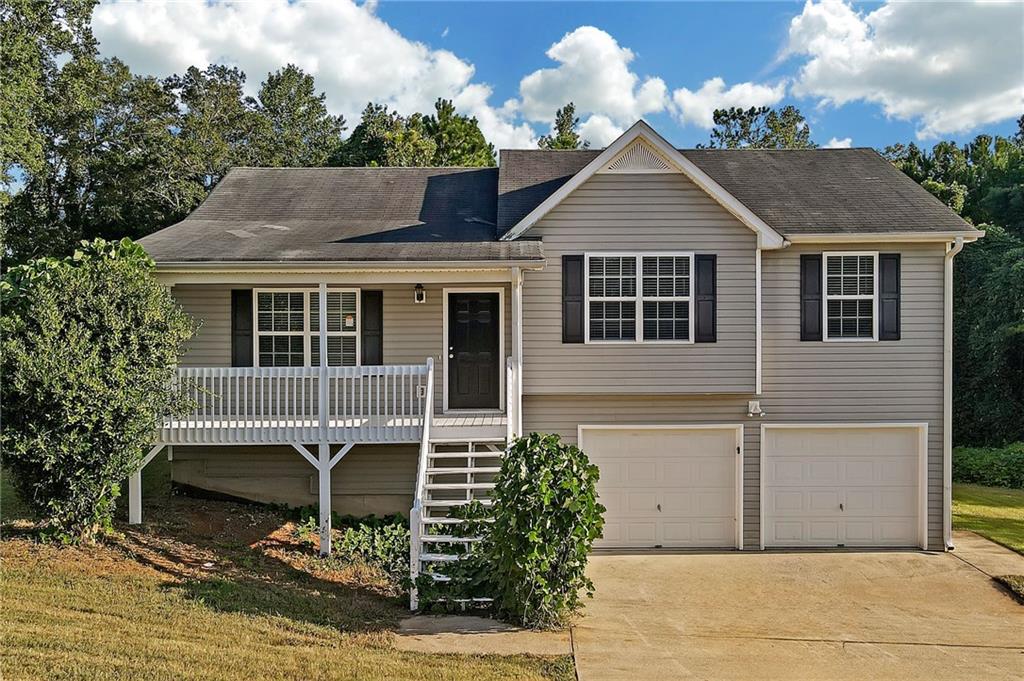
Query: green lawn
[993,512]
[208,589]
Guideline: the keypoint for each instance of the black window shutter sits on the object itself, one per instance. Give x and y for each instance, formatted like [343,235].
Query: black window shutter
[810,297]
[241,327]
[572,298]
[888,296]
[372,340]
[705,327]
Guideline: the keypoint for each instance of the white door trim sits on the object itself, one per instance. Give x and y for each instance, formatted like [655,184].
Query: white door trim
[738,461]
[501,344]
[922,466]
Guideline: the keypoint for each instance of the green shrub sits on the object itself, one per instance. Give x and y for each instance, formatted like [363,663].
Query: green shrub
[89,348]
[532,556]
[993,467]
[380,542]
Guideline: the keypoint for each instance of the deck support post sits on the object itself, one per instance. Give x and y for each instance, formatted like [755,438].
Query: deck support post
[324,472]
[135,498]
[515,421]
[135,487]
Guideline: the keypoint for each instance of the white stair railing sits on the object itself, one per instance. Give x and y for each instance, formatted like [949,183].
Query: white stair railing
[415,513]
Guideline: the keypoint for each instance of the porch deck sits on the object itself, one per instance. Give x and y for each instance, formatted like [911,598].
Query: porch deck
[373,404]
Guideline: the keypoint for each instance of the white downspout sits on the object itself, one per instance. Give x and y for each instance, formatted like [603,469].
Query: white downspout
[757,321]
[947,393]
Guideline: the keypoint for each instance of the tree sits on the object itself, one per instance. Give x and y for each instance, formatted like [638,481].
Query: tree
[300,131]
[385,138]
[984,182]
[33,35]
[89,349]
[457,138]
[114,165]
[760,128]
[217,125]
[565,135]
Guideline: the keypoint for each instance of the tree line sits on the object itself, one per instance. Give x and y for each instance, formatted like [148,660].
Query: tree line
[89,149]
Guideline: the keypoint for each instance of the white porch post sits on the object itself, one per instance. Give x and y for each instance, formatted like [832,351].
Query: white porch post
[517,348]
[324,458]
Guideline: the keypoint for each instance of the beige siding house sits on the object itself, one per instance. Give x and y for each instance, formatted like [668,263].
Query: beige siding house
[752,345]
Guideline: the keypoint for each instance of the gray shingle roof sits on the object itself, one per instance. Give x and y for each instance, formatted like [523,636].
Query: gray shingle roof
[325,214]
[796,191]
[456,214]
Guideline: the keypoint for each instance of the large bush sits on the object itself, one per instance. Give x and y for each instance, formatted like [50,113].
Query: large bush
[987,466]
[532,557]
[89,347]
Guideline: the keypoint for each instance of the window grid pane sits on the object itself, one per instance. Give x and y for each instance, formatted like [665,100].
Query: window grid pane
[613,320]
[668,320]
[666,276]
[612,277]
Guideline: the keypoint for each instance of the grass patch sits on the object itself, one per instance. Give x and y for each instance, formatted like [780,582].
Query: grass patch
[211,589]
[993,512]
[1015,583]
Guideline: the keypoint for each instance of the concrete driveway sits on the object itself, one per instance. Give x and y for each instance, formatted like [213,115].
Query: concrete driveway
[869,615]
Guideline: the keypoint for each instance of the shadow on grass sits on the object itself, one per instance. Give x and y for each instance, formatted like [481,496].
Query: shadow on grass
[237,558]
[241,558]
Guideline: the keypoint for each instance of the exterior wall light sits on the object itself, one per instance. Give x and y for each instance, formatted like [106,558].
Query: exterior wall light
[419,294]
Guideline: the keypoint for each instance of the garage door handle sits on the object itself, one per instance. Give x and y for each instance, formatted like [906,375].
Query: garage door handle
[659,507]
[840,507]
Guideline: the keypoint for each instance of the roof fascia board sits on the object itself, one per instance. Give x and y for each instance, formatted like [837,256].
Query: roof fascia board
[874,237]
[767,238]
[350,266]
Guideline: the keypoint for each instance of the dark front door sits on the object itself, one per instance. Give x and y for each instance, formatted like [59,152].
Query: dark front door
[473,354]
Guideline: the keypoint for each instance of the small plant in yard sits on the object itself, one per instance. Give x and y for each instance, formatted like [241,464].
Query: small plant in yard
[532,556]
[88,351]
[380,543]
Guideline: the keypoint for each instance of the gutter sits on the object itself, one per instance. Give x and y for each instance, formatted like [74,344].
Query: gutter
[947,393]
[300,266]
[860,237]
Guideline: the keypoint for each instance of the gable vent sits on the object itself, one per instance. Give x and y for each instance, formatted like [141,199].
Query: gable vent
[639,158]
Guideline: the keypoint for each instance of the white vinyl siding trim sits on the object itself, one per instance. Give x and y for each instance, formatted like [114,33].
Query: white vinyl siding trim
[638,297]
[842,297]
[306,333]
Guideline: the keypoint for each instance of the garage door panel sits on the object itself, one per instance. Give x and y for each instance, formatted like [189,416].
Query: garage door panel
[852,486]
[665,487]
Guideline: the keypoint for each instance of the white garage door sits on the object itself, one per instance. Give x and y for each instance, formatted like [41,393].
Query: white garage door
[666,487]
[842,485]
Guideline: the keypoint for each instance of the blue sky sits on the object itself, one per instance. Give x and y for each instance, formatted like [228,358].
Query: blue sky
[863,74]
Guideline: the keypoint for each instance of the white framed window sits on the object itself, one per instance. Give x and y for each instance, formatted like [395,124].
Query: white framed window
[287,324]
[850,282]
[656,309]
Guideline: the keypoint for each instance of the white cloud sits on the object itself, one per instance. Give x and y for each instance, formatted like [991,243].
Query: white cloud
[949,66]
[497,125]
[355,56]
[698,108]
[599,130]
[836,143]
[593,72]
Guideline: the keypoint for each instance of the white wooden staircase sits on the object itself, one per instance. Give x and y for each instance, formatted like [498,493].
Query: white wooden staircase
[456,467]
[457,473]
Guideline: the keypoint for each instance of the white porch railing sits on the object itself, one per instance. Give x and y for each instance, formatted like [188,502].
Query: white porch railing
[282,405]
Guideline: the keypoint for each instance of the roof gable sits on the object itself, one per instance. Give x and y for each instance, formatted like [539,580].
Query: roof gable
[655,146]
